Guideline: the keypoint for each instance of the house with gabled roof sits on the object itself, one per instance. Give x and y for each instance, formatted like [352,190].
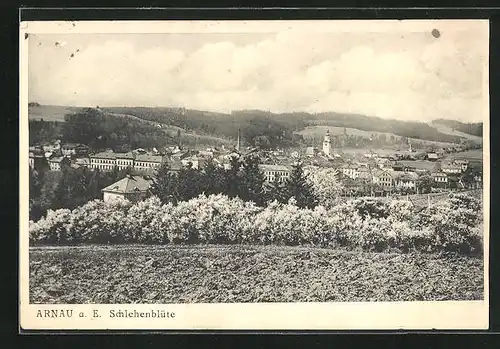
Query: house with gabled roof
[407,180]
[132,188]
[351,170]
[70,149]
[440,177]
[383,178]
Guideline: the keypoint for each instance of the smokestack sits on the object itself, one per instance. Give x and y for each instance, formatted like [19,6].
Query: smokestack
[178,137]
[238,142]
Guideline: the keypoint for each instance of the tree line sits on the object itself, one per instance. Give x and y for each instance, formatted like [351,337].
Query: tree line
[266,129]
[242,179]
[100,131]
[259,129]
[68,188]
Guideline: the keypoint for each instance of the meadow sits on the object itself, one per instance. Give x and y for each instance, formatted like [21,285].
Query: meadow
[223,274]
[218,249]
[317,132]
[50,112]
[471,155]
[448,130]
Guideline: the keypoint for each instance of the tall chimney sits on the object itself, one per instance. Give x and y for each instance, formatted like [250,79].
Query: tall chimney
[238,141]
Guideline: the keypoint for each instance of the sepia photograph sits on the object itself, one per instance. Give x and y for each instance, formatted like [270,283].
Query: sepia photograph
[255,163]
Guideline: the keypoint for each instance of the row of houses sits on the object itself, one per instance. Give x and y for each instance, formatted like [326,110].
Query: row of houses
[107,161]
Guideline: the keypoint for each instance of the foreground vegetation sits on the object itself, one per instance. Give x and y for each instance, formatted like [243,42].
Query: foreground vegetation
[210,274]
[452,225]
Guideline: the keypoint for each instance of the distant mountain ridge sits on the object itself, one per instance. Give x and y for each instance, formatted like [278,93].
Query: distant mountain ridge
[277,127]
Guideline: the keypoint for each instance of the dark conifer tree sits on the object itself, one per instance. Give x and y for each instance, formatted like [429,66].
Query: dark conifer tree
[188,183]
[212,179]
[276,191]
[232,178]
[252,181]
[164,185]
[299,188]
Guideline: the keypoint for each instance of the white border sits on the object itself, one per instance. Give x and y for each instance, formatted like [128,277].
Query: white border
[253,316]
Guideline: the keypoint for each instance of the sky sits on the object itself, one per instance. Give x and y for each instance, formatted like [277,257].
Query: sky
[402,74]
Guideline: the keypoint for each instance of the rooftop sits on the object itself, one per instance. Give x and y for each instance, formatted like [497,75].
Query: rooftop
[378,173]
[274,167]
[128,155]
[57,159]
[439,174]
[73,145]
[148,158]
[450,166]
[406,175]
[82,161]
[130,184]
[104,155]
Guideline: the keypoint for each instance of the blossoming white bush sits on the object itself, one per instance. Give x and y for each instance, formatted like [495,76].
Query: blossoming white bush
[211,219]
[52,228]
[401,210]
[450,225]
[325,183]
[100,222]
[147,221]
[454,226]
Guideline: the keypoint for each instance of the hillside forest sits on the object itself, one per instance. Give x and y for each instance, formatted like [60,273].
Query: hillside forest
[122,129]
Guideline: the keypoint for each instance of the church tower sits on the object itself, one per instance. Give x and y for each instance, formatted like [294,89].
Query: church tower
[327,144]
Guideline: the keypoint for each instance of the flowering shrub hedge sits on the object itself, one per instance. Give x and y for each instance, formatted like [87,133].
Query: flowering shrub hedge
[449,225]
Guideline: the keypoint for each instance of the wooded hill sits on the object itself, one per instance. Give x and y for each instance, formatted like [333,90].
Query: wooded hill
[258,128]
[475,129]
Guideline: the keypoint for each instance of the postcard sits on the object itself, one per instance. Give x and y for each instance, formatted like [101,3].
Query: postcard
[254,175]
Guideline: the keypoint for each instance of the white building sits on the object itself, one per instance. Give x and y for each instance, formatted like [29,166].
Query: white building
[196,162]
[432,156]
[440,177]
[406,180]
[280,173]
[103,161]
[145,162]
[124,160]
[383,178]
[133,188]
[351,171]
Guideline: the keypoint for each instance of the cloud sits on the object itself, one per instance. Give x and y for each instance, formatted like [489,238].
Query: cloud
[314,72]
